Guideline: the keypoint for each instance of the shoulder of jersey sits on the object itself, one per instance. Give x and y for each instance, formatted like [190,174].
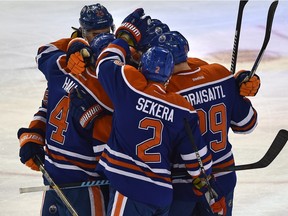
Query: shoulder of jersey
[135,78]
[178,100]
[209,73]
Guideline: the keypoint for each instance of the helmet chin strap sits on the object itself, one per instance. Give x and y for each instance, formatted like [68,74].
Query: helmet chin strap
[84,33]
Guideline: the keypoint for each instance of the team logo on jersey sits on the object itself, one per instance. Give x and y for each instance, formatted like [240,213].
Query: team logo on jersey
[117,62]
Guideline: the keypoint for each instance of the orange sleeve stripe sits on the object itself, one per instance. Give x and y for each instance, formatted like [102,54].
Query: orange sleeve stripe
[76,163]
[118,47]
[207,159]
[38,124]
[192,166]
[134,167]
[103,55]
[249,126]
[204,161]
[226,164]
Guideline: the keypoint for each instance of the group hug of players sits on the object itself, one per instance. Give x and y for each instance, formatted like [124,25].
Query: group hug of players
[117,106]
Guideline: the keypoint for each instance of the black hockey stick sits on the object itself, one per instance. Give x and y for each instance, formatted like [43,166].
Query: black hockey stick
[206,178]
[275,148]
[98,182]
[237,35]
[55,186]
[269,23]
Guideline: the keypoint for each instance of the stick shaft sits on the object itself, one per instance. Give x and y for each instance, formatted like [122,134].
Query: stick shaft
[269,23]
[237,35]
[99,182]
[206,178]
[55,187]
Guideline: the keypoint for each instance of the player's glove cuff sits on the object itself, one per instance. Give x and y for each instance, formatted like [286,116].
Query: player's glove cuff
[130,32]
[26,135]
[31,144]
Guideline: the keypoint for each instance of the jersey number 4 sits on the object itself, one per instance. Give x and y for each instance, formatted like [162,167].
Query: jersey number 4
[58,118]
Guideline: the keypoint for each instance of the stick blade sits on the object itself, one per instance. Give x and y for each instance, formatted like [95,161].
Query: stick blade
[277,145]
[33,189]
[275,148]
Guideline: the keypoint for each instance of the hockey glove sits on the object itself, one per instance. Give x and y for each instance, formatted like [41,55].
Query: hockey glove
[78,55]
[247,87]
[211,193]
[84,108]
[31,144]
[76,33]
[134,57]
[133,27]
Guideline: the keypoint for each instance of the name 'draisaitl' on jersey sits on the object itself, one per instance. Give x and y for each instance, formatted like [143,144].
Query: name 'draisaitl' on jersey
[205,95]
[155,109]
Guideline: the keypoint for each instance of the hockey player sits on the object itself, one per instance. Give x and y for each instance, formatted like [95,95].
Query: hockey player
[94,19]
[89,22]
[148,125]
[217,97]
[73,142]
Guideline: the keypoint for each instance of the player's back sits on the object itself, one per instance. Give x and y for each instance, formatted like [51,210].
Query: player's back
[70,156]
[148,124]
[212,91]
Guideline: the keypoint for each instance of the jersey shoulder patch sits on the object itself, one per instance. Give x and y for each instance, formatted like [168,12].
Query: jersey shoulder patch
[117,62]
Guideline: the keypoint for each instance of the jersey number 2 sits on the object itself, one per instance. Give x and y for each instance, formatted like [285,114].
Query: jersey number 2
[143,148]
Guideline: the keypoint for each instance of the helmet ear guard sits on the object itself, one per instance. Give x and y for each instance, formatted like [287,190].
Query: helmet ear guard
[95,16]
[157,64]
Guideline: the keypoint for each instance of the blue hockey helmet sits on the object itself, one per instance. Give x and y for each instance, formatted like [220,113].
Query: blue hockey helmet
[175,42]
[157,64]
[100,42]
[156,27]
[95,16]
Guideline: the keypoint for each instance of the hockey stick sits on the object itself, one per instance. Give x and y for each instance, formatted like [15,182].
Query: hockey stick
[237,35]
[269,22]
[188,130]
[275,148]
[98,182]
[55,186]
